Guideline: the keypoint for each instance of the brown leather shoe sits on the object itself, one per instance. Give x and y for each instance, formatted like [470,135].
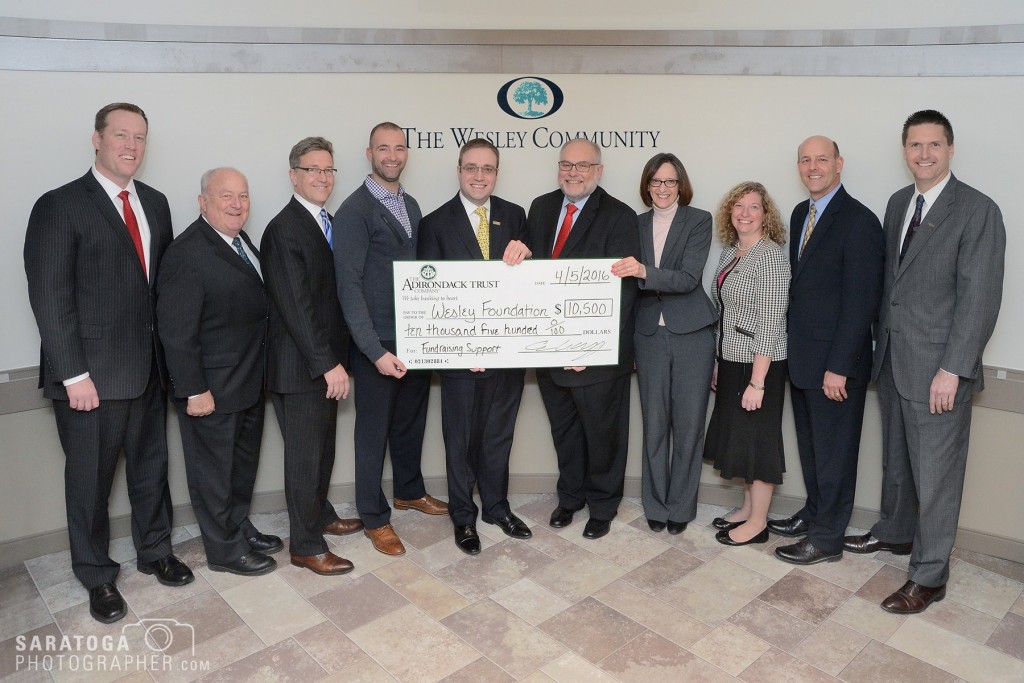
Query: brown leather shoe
[869,544]
[343,527]
[427,505]
[325,564]
[385,540]
[913,598]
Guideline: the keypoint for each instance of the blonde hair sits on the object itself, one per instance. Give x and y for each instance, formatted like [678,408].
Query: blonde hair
[772,224]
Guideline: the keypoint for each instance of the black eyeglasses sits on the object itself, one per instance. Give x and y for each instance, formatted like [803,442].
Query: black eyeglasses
[312,170]
[658,182]
[581,166]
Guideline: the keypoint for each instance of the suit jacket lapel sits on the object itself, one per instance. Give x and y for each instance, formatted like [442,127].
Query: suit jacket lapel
[464,228]
[228,253]
[646,223]
[114,220]
[674,237]
[932,220]
[821,226]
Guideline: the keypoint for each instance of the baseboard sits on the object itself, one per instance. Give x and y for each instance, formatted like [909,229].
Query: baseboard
[18,550]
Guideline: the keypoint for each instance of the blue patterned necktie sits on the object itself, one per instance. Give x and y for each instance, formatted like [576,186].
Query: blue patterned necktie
[915,222]
[237,244]
[327,228]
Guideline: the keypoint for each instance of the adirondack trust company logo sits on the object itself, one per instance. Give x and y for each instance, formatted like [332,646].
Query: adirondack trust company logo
[530,97]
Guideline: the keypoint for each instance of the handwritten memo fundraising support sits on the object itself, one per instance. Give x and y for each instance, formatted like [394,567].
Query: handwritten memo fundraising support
[453,315]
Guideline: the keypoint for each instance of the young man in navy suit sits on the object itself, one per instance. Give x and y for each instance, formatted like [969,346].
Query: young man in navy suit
[92,254]
[478,406]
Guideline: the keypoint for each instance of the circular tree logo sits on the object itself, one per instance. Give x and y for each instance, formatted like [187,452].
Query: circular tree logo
[530,97]
[428,272]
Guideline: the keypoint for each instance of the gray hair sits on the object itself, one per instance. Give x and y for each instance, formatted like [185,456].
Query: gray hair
[593,146]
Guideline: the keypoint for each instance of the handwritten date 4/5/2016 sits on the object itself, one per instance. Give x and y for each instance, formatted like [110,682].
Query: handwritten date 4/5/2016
[581,274]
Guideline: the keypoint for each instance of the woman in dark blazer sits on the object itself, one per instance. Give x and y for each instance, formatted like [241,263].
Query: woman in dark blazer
[751,289]
[674,341]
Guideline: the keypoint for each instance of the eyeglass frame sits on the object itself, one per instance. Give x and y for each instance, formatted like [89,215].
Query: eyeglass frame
[318,171]
[472,169]
[670,183]
[581,166]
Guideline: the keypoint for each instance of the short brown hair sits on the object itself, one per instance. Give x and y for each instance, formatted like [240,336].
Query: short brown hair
[101,116]
[928,116]
[481,143]
[772,225]
[656,162]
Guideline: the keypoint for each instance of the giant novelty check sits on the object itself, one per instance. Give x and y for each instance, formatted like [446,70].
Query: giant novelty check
[486,314]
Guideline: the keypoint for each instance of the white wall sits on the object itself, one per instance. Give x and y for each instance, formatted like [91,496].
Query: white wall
[725,128]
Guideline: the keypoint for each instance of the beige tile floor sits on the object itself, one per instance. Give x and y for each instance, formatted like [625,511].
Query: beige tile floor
[633,606]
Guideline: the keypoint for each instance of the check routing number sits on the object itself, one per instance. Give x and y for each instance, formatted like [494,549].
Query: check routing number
[487,314]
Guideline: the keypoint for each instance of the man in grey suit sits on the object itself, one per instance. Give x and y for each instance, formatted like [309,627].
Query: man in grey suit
[378,224]
[213,307]
[943,281]
[92,251]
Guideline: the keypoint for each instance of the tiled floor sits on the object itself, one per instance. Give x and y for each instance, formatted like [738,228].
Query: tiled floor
[633,606]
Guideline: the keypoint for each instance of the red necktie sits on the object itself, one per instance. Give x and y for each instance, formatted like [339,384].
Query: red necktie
[563,232]
[133,229]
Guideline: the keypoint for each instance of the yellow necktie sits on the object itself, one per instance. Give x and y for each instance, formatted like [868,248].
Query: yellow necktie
[483,232]
[810,228]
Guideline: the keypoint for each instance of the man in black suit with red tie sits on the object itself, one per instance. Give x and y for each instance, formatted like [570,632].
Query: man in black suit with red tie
[836,252]
[308,344]
[213,308]
[588,407]
[92,252]
[478,406]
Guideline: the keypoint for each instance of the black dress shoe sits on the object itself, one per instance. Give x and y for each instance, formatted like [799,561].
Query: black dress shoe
[869,544]
[106,604]
[265,543]
[596,528]
[656,525]
[790,526]
[170,571]
[253,563]
[676,528]
[913,598]
[511,525]
[804,552]
[467,539]
[561,517]
[724,538]
[722,524]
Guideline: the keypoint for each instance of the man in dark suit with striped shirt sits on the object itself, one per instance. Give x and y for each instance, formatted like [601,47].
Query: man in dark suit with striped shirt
[92,251]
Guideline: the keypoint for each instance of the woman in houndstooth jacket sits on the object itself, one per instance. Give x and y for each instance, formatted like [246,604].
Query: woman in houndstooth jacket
[751,291]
